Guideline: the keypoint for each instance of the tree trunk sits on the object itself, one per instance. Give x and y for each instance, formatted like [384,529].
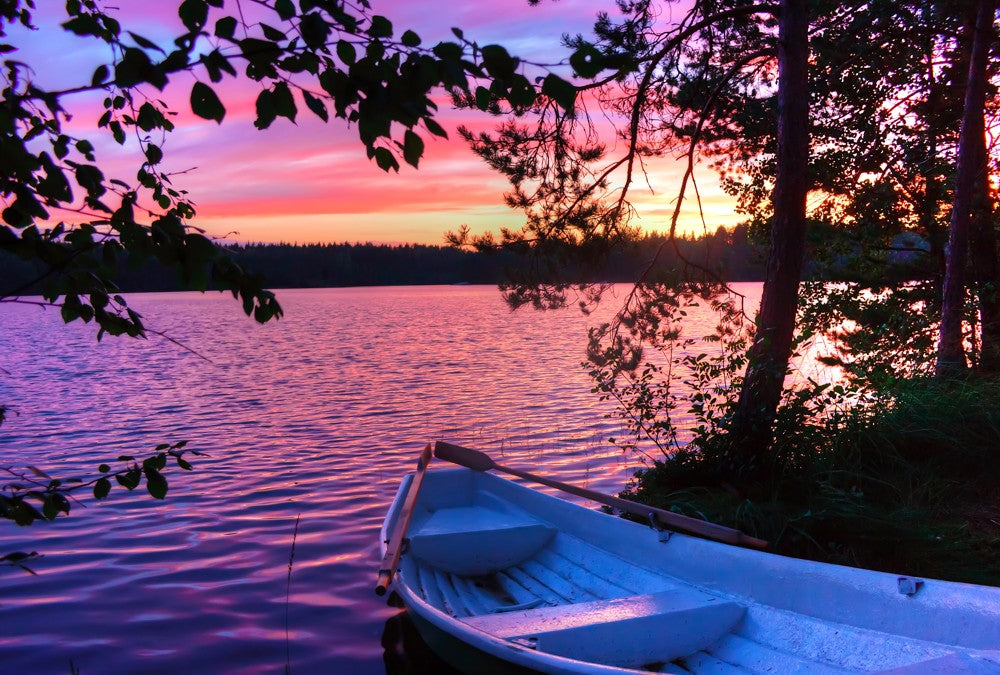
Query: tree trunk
[928,208]
[985,267]
[951,352]
[769,355]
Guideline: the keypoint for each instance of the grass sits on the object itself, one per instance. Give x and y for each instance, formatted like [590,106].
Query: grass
[911,487]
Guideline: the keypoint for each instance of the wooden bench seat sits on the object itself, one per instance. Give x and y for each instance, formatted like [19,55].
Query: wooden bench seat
[629,631]
[475,541]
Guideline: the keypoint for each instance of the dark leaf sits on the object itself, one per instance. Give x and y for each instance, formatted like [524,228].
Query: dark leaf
[410,39]
[285,9]
[100,76]
[385,159]
[130,479]
[16,556]
[448,51]
[346,53]
[156,484]
[315,29]
[83,24]
[271,33]
[149,117]
[216,64]
[117,132]
[498,62]
[225,27]
[61,146]
[380,27]
[265,109]
[586,61]
[154,155]
[284,104]
[38,472]
[483,98]
[194,14]
[435,128]
[413,148]
[316,105]
[521,93]
[260,53]
[50,507]
[145,43]
[21,512]
[559,90]
[134,68]
[205,103]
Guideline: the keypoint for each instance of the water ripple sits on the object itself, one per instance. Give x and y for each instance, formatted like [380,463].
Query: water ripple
[317,416]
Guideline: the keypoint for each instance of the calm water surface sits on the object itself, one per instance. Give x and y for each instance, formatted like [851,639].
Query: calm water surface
[319,414]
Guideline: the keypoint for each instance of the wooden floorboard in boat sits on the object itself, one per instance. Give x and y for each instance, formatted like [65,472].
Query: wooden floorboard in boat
[760,658]
[454,600]
[428,587]
[477,598]
[536,587]
[551,578]
[581,576]
[627,574]
[517,591]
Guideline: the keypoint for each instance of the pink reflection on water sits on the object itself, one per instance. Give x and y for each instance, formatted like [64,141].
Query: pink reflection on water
[318,415]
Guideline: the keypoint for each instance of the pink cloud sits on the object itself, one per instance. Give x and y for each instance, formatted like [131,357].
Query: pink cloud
[311,181]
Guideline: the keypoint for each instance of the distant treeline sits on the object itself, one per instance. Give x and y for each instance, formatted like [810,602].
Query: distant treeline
[333,265]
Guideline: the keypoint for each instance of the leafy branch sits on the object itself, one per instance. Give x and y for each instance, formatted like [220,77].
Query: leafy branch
[31,494]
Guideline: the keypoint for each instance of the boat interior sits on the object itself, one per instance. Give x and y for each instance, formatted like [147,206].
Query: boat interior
[498,568]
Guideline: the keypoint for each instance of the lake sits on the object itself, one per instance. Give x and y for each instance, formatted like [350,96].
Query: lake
[315,417]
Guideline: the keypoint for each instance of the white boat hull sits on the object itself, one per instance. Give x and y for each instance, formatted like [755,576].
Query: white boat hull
[499,574]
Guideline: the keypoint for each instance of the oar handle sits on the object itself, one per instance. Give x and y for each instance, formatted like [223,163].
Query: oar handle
[394,549]
[480,461]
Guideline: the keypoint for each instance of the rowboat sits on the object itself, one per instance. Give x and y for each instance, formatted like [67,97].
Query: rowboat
[499,577]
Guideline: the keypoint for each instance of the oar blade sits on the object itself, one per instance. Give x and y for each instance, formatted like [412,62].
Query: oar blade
[456,454]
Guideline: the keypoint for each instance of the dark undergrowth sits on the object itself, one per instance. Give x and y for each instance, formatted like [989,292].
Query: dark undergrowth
[911,486]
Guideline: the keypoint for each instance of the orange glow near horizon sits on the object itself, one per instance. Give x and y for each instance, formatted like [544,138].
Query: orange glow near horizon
[311,183]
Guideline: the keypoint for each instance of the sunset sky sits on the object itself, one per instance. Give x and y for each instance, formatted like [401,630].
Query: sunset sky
[311,182]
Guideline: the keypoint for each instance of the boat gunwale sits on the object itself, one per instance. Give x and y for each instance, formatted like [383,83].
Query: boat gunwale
[872,586]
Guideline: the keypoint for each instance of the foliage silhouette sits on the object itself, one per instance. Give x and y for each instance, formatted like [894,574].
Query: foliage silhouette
[335,265]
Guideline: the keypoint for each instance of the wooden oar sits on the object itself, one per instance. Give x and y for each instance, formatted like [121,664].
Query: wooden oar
[395,547]
[479,461]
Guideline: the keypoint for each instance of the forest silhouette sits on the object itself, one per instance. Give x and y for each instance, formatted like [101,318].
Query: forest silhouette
[729,253]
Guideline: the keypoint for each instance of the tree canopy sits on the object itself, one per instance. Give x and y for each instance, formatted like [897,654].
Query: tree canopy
[835,125]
